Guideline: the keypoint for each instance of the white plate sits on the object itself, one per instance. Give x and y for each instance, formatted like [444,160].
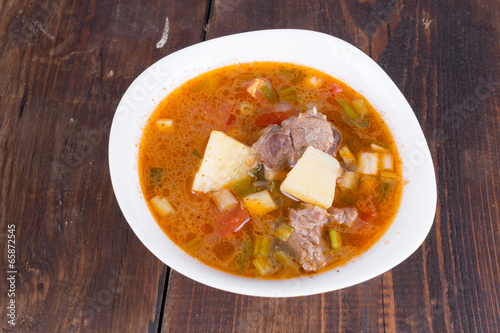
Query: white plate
[317,50]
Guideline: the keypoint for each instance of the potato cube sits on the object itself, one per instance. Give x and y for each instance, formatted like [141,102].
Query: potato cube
[313,179]
[225,161]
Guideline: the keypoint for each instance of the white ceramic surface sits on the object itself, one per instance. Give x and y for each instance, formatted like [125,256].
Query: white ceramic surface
[317,50]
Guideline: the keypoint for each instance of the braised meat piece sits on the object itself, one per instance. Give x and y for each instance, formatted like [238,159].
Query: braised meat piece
[312,129]
[344,215]
[305,243]
[274,148]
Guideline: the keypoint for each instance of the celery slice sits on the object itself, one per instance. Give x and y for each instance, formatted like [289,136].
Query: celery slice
[269,93]
[283,232]
[299,77]
[242,188]
[350,112]
[283,258]
[262,246]
[335,239]
[287,94]
[263,266]
[194,244]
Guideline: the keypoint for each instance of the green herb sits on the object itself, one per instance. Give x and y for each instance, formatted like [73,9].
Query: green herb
[287,94]
[196,153]
[269,93]
[242,188]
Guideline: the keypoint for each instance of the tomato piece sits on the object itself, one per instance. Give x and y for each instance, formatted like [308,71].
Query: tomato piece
[232,220]
[230,119]
[368,215]
[267,119]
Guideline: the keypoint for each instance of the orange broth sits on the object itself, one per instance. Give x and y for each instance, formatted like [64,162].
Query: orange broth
[218,100]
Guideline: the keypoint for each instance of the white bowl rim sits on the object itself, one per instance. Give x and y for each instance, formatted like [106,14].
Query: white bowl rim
[332,56]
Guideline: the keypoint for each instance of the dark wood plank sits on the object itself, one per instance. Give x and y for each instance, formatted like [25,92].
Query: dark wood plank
[64,67]
[444,57]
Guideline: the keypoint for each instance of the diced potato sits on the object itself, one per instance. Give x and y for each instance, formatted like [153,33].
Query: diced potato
[349,180]
[225,161]
[313,178]
[161,206]
[387,163]
[259,203]
[164,124]
[368,163]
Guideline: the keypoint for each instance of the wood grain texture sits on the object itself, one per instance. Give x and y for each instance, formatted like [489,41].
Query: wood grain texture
[64,67]
[444,58]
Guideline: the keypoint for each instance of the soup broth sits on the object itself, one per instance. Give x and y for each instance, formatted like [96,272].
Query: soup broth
[265,224]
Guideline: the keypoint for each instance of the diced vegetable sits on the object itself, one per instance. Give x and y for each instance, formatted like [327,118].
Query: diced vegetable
[262,246]
[242,187]
[257,172]
[232,221]
[224,200]
[283,232]
[259,203]
[387,163]
[225,161]
[246,76]
[269,92]
[377,148]
[314,81]
[299,77]
[367,183]
[368,163]
[196,153]
[335,239]
[346,155]
[313,178]
[390,175]
[348,198]
[287,94]
[156,177]
[164,124]
[254,87]
[360,107]
[161,206]
[263,266]
[194,244]
[381,144]
[242,259]
[349,181]
[286,72]
[387,187]
[270,118]
[283,258]
[350,112]
[246,108]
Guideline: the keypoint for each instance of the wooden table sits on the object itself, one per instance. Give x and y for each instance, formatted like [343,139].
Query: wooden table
[64,66]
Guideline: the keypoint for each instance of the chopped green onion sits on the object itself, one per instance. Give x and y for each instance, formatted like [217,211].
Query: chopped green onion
[261,246]
[391,175]
[299,77]
[360,107]
[156,177]
[350,112]
[283,232]
[386,187]
[242,188]
[162,206]
[164,124]
[348,198]
[246,76]
[381,144]
[257,172]
[286,72]
[349,181]
[224,200]
[378,148]
[269,93]
[242,259]
[346,155]
[194,244]
[263,266]
[283,258]
[287,94]
[387,162]
[196,153]
[335,239]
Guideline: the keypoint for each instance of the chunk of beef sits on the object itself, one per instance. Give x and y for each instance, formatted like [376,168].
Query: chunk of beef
[310,256]
[305,243]
[274,148]
[308,222]
[312,129]
[344,215]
